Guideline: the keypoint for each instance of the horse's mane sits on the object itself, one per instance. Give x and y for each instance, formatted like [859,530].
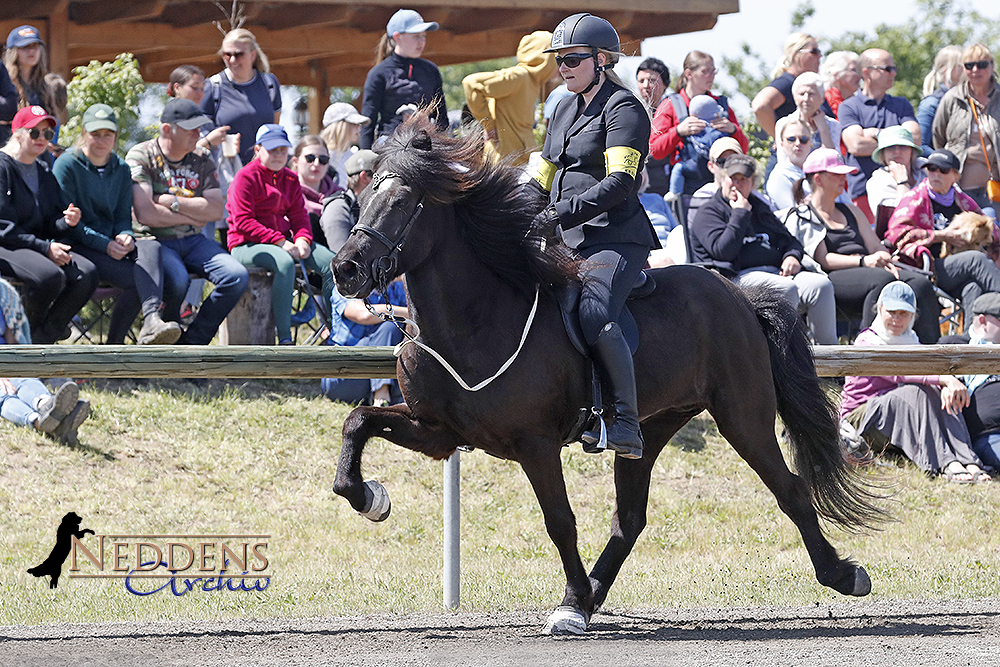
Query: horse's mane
[494,209]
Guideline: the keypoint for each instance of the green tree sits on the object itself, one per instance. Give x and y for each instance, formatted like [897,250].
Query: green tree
[117,84]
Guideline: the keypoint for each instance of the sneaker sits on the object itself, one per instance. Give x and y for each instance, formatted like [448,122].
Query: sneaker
[53,409]
[671,197]
[67,430]
[157,332]
[188,313]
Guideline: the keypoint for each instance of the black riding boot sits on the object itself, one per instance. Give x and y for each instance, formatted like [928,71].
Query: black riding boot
[616,360]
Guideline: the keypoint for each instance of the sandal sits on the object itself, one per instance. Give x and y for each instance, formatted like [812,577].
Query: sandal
[955,471]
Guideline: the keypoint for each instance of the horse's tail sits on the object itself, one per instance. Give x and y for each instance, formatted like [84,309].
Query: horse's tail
[839,493]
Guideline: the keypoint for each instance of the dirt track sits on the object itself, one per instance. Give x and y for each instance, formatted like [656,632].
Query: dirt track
[897,633]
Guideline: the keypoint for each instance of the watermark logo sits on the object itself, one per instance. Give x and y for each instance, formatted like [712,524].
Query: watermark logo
[67,536]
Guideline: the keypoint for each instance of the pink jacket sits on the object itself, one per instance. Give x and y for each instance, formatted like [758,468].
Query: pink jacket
[858,390]
[266,207]
[914,211]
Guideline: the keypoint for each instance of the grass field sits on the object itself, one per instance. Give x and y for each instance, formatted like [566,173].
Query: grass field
[259,457]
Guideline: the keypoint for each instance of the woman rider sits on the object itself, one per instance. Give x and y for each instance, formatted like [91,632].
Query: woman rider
[595,144]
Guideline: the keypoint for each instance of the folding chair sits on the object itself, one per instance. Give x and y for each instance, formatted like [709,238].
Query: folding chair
[308,309]
[97,319]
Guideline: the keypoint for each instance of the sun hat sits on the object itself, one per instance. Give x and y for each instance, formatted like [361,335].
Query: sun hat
[99,117]
[271,136]
[407,20]
[29,117]
[895,135]
[361,161]
[720,146]
[897,295]
[827,159]
[183,113]
[24,35]
[741,164]
[343,111]
[942,158]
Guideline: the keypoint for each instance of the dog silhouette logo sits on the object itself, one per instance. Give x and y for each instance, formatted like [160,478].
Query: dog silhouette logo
[52,566]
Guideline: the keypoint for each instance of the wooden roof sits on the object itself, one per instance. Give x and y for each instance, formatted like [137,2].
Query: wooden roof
[324,43]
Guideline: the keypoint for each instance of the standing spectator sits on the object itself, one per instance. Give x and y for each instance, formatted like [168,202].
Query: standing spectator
[8,104]
[342,132]
[946,72]
[692,160]
[175,193]
[504,101]
[865,114]
[35,224]
[802,54]
[101,184]
[897,153]
[269,226]
[841,77]
[401,78]
[969,119]
[245,95]
[807,92]
[341,211]
[311,162]
[652,78]
[28,64]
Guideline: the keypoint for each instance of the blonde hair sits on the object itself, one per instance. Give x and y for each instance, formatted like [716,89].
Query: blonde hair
[386,45]
[978,51]
[244,36]
[36,79]
[337,136]
[795,42]
[946,60]
[692,61]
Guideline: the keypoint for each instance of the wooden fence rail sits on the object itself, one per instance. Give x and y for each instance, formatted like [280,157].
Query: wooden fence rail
[239,361]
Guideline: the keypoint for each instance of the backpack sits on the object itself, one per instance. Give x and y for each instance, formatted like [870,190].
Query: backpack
[273,90]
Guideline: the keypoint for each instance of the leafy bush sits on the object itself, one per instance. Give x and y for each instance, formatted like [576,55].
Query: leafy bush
[117,84]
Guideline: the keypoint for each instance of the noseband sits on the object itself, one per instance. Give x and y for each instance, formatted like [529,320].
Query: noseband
[383,267]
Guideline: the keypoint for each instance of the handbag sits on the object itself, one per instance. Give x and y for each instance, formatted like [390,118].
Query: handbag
[992,187]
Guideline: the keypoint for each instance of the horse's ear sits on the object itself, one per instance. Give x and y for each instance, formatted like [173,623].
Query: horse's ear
[421,141]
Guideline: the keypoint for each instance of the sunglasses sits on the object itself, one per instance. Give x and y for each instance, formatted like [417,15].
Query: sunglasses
[573,60]
[323,159]
[233,55]
[934,168]
[816,51]
[891,69]
[980,64]
[48,133]
[801,140]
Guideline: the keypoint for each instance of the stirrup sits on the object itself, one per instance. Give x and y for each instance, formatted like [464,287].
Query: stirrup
[595,440]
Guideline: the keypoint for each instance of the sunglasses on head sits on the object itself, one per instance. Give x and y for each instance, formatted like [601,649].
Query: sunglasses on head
[572,60]
[323,159]
[798,139]
[816,51]
[980,64]
[48,133]
[934,168]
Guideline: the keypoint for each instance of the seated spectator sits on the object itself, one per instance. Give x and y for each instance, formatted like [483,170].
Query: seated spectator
[34,231]
[796,141]
[897,153]
[341,212]
[807,91]
[840,77]
[342,131]
[982,415]
[717,156]
[738,235]
[838,241]
[918,227]
[26,401]
[354,324]
[919,414]
[692,158]
[175,193]
[946,72]
[101,184]
[311,162]
[967,123]
[269,226]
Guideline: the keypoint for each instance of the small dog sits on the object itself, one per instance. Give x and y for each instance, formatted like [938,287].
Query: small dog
[975,229]
[52,566]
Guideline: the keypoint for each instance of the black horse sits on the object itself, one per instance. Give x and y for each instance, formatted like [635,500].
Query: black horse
[460,229]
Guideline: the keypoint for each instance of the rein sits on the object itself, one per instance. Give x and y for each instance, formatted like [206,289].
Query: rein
[383,267]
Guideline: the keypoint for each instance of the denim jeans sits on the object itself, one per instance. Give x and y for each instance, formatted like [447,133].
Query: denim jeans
[205,258]
[353,390]
[987,446]
[20,408]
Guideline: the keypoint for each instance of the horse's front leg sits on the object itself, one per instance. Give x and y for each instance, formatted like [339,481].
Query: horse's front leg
[398,425]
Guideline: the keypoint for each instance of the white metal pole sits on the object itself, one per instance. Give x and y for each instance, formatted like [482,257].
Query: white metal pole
[452,532]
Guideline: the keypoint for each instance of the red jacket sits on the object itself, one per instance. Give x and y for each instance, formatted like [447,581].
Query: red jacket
[665,142]
[266,207]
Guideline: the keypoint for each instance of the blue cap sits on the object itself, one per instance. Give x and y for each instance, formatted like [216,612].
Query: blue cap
[407,20]
[23,36]
[272,136]
[897,295]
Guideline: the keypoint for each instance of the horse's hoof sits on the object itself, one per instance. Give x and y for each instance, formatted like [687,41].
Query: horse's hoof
[377,504]
[565,621]
[862,582]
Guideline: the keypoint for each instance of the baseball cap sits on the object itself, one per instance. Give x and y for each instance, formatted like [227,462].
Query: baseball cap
[272,136]
[361,161]
[722,145]
[897,295]
[99,117]
[30,116]
[826,159]
[183,113]
[23,36]
[741,164]
[407,20]
[343,111]
[894,135]
[987,304]
[941,158]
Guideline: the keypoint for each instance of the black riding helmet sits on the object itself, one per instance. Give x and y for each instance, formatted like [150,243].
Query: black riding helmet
[589,31]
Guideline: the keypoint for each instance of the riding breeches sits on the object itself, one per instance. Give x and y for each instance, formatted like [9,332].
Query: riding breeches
[608,273]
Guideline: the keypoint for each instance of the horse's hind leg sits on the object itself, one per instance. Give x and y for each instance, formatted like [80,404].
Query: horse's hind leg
[397,425]
[748,425]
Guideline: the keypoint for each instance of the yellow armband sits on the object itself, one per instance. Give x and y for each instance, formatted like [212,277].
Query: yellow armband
[622,158]
[546,172]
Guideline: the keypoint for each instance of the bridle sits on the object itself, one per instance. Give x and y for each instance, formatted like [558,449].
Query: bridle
[384,267]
